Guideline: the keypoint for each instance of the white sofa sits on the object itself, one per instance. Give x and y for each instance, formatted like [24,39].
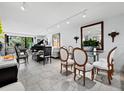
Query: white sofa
[55,52]
[8,72]
[9,63]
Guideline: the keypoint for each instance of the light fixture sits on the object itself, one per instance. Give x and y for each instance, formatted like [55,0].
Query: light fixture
[76,38]
[67,22]
[58,26]
[83,13]
[23,6]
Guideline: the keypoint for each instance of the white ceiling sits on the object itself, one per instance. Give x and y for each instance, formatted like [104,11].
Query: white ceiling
[39,16]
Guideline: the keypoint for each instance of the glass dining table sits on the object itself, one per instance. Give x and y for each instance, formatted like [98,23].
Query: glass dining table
[94,54]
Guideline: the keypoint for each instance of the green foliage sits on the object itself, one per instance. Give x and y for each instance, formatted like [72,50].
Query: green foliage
[1,30]
[91,42]
[28,42]
[21,41]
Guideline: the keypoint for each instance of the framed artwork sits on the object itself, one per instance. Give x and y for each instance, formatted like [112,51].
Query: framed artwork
[56,40]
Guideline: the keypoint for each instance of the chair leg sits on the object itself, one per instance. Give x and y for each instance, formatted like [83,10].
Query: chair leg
[27,59]
[71,67]
[84,77]
[50,60]
[79,72]
[74,73]
[44,61]
[112,69]
[109,77]
[17,60]
[97,71]
[61,69]
[92,74]
[66,70]
[111,74]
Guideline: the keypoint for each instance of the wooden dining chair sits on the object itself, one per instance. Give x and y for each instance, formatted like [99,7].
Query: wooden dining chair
[106,64]
[70,50]
[81,63]
[65,60]
[19,56]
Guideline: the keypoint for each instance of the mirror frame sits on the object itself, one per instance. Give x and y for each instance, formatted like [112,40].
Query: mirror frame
[102,33]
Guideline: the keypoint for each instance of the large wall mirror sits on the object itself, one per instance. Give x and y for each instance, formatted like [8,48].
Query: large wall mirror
[92,35]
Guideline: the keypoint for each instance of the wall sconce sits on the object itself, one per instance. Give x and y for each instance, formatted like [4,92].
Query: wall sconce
[76,38]
[113,35]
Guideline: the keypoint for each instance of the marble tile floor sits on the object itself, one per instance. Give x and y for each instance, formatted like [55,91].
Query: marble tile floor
[38,77]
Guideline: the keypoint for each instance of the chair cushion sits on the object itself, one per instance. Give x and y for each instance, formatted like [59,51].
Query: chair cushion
[21,53]
[70,62]
[41,56]
[88,67]
[101,65]
[22,56]
[13,87]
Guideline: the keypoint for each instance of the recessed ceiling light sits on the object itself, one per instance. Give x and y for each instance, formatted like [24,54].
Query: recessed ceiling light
[58,26]
[22,8]
[67,22]
[84,15]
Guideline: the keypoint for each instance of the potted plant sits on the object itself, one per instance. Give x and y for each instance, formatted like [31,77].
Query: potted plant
[90,44]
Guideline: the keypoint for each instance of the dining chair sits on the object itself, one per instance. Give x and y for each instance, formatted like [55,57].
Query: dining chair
[39,56]
[24,52]
[65,60]
[106,64]
[19,56]
[81,63]
[70,50]
[47,53]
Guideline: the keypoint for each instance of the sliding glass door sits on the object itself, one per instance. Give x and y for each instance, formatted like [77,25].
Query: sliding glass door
[25,42]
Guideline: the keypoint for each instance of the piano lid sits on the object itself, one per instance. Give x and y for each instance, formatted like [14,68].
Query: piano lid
[41,42]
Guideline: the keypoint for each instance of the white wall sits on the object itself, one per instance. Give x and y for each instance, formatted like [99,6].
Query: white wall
[110,24]
[115,24]
[66,36]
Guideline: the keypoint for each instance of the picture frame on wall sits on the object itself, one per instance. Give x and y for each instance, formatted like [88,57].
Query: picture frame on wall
[56,40]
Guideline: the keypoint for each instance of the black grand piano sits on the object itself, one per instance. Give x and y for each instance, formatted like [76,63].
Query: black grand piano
[40,51]
[39,46]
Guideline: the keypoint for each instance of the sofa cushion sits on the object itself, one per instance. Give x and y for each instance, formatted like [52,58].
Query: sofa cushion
[5,63]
